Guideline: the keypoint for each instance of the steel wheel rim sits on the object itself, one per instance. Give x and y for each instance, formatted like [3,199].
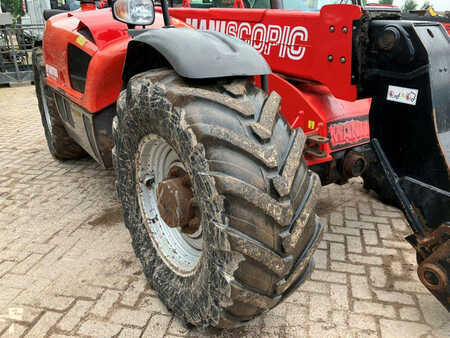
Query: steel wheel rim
[45,106]
[180,251]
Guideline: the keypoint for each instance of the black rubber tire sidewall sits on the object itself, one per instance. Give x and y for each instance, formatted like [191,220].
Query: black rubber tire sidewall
[207,288]
[60,144]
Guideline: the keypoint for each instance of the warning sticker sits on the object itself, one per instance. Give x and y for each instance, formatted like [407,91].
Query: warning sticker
[81,40]
[51,72]
[402,95]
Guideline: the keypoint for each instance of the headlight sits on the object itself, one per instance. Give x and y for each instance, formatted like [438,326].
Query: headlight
[134,12]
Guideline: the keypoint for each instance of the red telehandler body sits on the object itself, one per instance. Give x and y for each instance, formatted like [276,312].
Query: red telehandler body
[210,145]
[313,96]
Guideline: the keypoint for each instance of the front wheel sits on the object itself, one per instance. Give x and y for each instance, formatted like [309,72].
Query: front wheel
[216,195]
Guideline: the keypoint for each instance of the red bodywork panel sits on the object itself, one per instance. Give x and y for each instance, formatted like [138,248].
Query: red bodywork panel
[298,45]
[104,77]
[447,27]
[294,43]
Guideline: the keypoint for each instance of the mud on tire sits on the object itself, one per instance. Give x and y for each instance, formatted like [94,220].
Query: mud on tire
[60,144]
[256,194]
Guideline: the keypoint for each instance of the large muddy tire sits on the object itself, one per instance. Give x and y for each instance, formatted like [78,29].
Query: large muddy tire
[60,144]
[256,196]
[375,180]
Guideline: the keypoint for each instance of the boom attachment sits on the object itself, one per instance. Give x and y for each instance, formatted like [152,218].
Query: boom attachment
[405,67]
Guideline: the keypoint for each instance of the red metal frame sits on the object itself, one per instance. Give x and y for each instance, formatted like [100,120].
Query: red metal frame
[317,91]
[104,77]
[323,104]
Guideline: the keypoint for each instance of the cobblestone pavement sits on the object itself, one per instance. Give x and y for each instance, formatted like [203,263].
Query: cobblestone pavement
[67,267]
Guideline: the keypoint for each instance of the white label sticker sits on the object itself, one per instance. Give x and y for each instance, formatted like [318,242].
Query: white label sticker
[51,71]
[402,95]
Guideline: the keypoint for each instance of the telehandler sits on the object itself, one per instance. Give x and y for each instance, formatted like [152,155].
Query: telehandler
[208,144]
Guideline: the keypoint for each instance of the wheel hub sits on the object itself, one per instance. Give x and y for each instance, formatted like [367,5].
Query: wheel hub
[176,203]
[167,205]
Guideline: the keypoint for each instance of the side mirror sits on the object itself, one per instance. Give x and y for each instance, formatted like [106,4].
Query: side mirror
[134,12]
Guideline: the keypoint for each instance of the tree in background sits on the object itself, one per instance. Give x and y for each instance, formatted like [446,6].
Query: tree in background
[409,5]
[386,2]
[427,4]
[14,7]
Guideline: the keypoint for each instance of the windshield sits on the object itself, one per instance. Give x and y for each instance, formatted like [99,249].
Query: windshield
[311,5]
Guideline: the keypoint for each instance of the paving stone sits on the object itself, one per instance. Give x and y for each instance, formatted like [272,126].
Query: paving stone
[338,296]
[130,333]
[394,297]
[94,328]
[157,326]
[360,287]
[299,298]
[326,276]
[374,219]
[315,286]
[134,290]
[321,259]
[45,323]
[103,306]
[381,251]
[296,315]
[373,308]
[294,331]
[411,286]
[22,313]
[153,304]
[351,213]
[27,264]
[73,317]
[58,303]
[333,237]
[337,251]
[362,322]
[435,316]
[354,244]
[359,225]
[377,276]
[396,244]
[392,328]
[397,268]
[409,313]
[370,237]
[365,259]
[4,324]
[130,317]
[339,318]
[320,308]
[336,218]
[345,231]
[384,230]
[399,224]
[5,267]
[345,267]
[364,208]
